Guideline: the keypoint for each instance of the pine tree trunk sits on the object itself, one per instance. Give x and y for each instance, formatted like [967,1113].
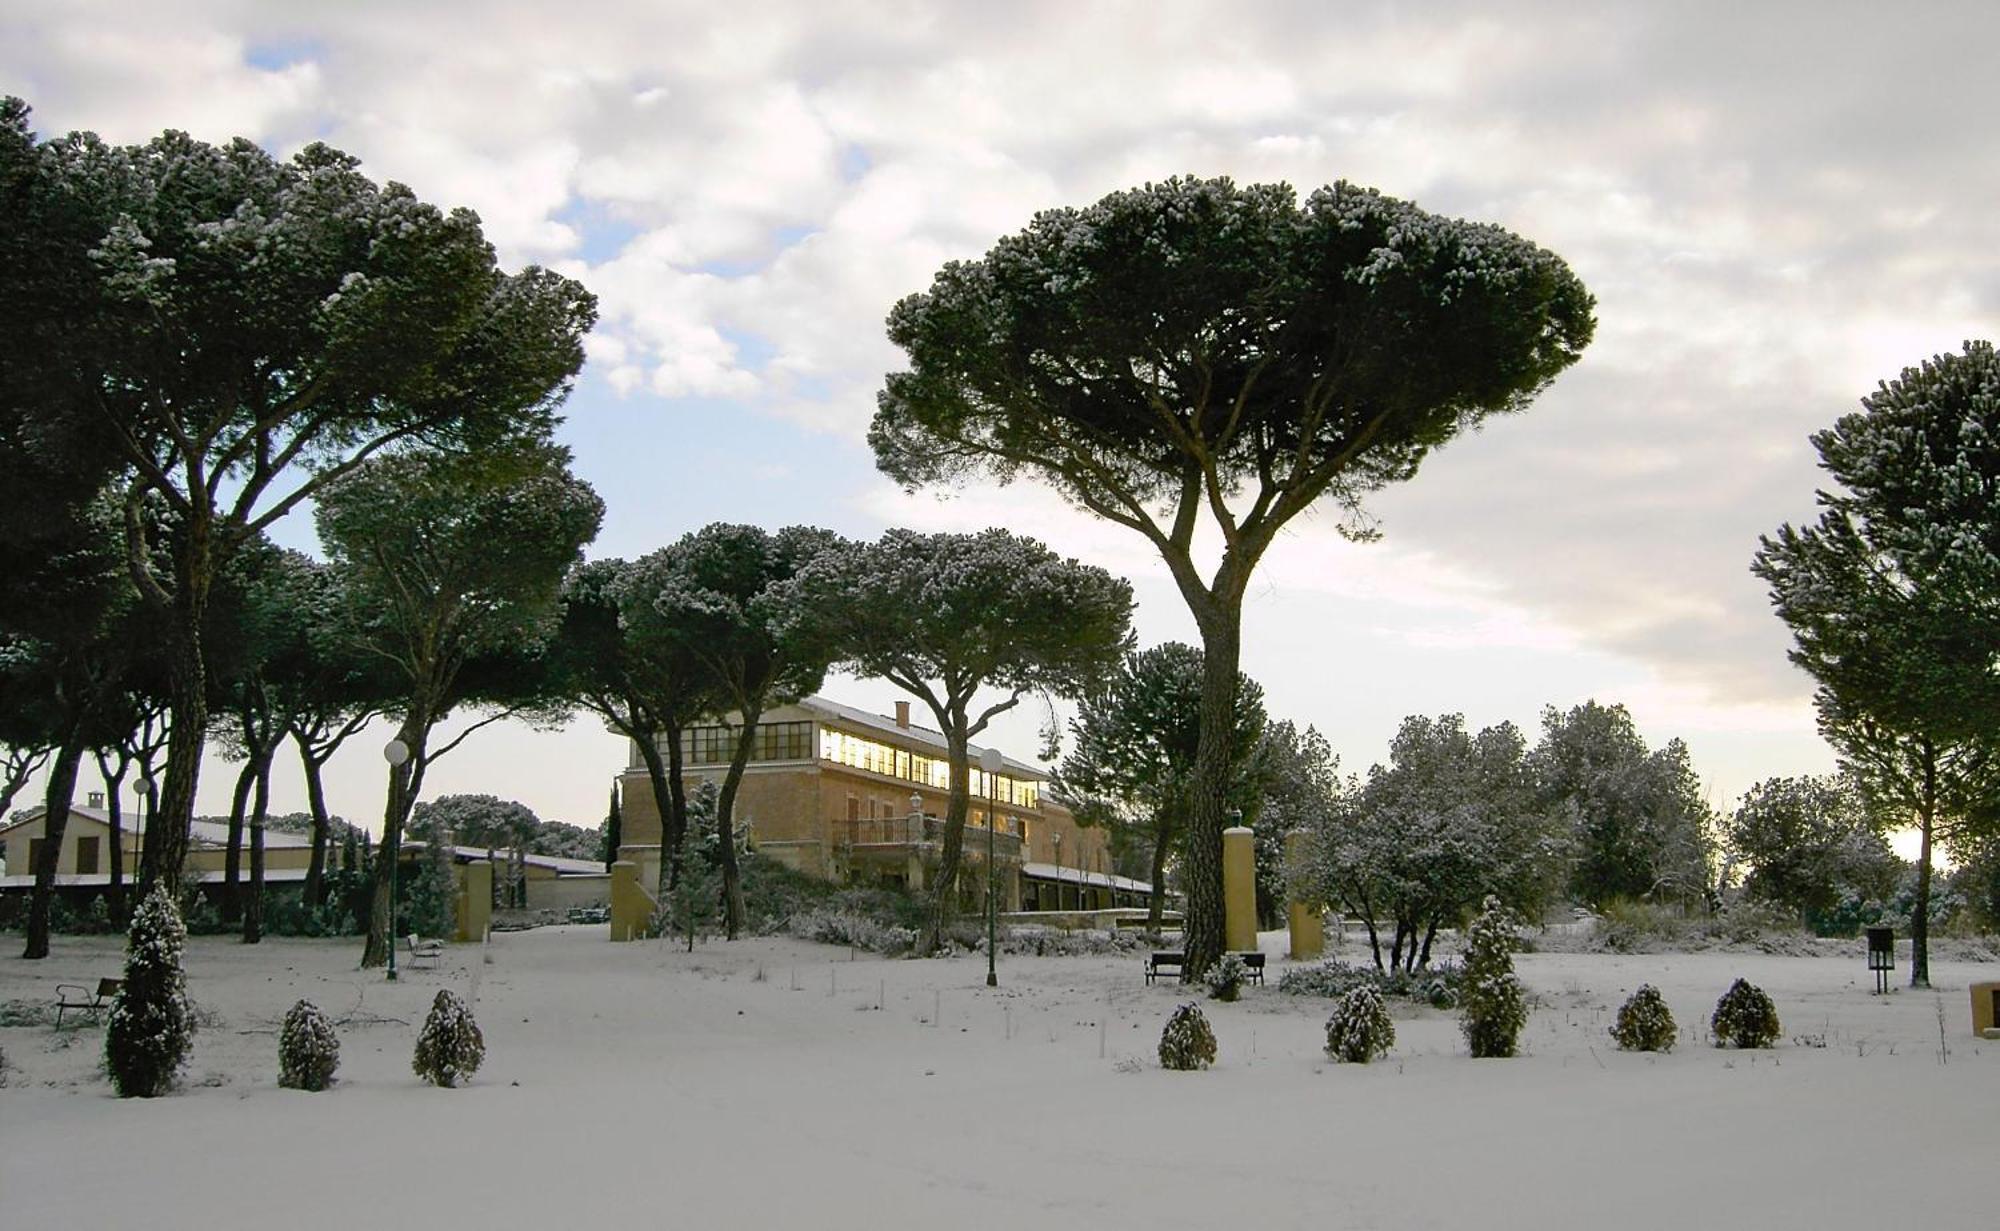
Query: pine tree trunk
[315,891]
[253,909]
[1920,917]
[944,891]
[733,910]
[404,782]
[114,812]
[173,810]
[60,794]
[232,860]
[674,821]
[656,780]
[1221,628]
[1163,841]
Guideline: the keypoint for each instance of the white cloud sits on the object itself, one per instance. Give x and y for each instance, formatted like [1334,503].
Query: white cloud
[1774,210]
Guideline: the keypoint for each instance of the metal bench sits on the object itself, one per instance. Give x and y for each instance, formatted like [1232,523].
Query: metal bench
[1170,961]
[72,998]
[422,951]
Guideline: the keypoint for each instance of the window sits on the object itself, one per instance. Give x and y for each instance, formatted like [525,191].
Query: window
[86,856]
[774,741]
[857,751]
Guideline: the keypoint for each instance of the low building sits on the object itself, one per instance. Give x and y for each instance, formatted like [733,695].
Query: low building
[849,796]
[86,846]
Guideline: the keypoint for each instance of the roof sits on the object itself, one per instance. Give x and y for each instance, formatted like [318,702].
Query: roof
[201,833]
[555,863]
[272,876]
[849,715]
[1075,876]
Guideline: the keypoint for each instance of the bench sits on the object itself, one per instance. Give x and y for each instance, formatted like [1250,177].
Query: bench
[70,997]
[1165,961]
[422,951]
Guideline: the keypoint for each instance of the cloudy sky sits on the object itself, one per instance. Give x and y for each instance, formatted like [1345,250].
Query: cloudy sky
[1776,206]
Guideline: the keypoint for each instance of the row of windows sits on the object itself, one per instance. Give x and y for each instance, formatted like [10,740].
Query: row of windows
[792,741]
[775,741]
[934,772]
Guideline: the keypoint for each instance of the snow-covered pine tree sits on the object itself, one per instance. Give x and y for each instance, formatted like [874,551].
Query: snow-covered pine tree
[694,903]
[151,1029]
[432,907]
[308,1049]
[451,1047]
[1494,1006]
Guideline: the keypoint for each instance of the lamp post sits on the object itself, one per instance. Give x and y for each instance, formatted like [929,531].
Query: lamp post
[990,761]
[1059,887]
[397,754]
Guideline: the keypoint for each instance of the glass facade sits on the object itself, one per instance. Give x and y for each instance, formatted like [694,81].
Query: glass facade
[860,752]
[776,741]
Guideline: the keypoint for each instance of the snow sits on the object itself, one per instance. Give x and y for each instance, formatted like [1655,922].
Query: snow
[772,1082]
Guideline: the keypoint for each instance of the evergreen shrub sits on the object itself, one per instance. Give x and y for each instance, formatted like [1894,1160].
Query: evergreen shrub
[1744,1017]
[1494,1006]
[1187,1043]
[308,1049]
[151,1028]
[1225,978]
[1644,1022]
[1360,1029]
[450,1048]
[1438,986]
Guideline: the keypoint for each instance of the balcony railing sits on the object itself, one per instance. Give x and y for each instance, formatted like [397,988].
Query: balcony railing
[901,831]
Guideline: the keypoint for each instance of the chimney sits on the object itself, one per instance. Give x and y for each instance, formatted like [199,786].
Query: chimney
[96,799]
[903,714]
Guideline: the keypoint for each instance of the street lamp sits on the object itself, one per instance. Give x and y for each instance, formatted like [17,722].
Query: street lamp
[1059,887]
[991,764]
[990,761]
[397,754]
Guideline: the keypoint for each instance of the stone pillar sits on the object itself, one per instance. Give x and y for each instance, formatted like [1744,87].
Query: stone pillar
[1985,1009]
[631,905]
[475,900]
[1239,889]
[1308,930]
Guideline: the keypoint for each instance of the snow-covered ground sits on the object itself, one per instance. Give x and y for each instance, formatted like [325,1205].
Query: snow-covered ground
[773,1083]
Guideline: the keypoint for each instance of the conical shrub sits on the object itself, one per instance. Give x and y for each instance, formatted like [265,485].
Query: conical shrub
[308,1049]
[1360,1028]
[450,1048]
[1644,1022]
[1494,1005]
[1744,1017]
[150,1030]
[1187,1043]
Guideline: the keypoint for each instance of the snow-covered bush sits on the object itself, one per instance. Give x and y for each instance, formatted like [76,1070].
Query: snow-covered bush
[308,1049]
[151,1028]
[1360,1029]
[1437,986]
[1041,941]
[838,927]
[1187,1043]
[1744,1017]
[1225,979]
[1494,1005]
[1644,1022]
[451,1047]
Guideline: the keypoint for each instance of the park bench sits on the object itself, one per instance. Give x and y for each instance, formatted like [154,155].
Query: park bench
[1170,961]
[72,998]
[422,951]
